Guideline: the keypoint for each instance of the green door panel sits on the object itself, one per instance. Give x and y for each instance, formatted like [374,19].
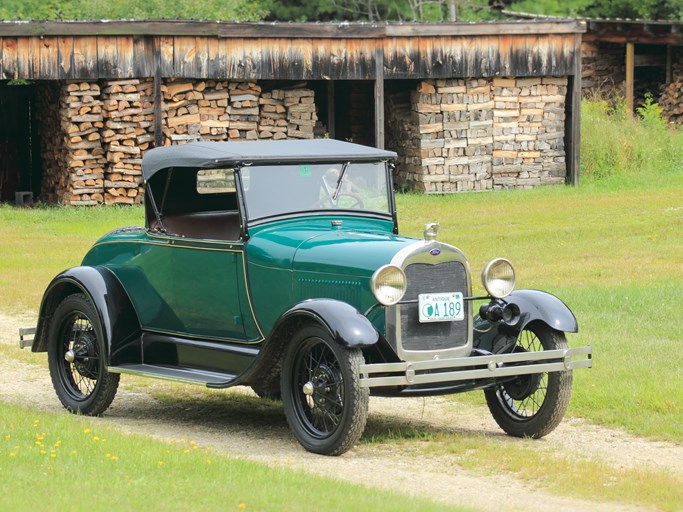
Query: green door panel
[185,287]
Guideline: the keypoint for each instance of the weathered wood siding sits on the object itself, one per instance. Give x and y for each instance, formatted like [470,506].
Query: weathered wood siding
[37,51]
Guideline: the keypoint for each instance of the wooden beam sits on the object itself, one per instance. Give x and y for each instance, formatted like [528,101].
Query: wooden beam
[379,96]
[286,30]
[629,76]
[573,119]
[331,105]
[158,98]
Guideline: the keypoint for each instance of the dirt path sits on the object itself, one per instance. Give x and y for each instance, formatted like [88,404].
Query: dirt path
[231,424]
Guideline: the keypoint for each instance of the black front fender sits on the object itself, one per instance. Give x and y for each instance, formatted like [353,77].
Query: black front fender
[534,306]
[346,324]
[117,316]
[538,305]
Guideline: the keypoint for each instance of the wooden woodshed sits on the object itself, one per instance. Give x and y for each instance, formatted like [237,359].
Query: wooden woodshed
[467,106]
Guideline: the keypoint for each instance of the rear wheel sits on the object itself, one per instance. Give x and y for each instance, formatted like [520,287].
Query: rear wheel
[76,356]
[324,404]
[533,405]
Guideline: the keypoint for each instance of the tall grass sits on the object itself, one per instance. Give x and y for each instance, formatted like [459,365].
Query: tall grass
[616,145]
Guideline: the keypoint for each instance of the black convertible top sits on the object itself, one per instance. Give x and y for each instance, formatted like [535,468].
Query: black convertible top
[218,154]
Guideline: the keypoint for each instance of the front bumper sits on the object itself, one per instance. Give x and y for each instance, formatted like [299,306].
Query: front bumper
[474,367]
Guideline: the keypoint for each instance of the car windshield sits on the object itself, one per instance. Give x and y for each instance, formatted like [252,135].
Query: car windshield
[272,190]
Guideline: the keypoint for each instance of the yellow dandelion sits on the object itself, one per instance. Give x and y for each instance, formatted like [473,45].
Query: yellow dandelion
[53,455]
[7,437]
[108,455]
[186,450]
[242,505]
[96,438]
[43,452]
[192,443]
[86,431]
[38,443]
[36,423]
[194,447]
[161,462]
[208,461]
[12,454]
[114,457]
[74,452]
[58,444]
[103,440]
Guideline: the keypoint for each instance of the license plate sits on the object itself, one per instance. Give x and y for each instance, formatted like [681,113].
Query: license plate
[440,307]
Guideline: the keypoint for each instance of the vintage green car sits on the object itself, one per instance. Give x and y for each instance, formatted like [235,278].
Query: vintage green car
[278,265]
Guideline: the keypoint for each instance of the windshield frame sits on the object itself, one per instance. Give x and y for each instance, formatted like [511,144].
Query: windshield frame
[390,214]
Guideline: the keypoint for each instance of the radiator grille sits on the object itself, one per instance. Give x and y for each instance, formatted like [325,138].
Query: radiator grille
[449,276]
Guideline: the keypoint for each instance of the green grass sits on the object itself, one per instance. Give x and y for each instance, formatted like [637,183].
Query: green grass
[65,462]
[612,251]
[38,243]
[614,255]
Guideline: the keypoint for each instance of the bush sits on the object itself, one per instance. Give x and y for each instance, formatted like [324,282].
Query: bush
[614,144]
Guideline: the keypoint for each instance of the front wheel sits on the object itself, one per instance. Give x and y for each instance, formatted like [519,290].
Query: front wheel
[324,404]
[76,357]
[533,405]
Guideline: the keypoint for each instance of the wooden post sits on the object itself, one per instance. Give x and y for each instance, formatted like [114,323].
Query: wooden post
[573,119]
[379,95]
[158,98]
[629,77]
[331,118]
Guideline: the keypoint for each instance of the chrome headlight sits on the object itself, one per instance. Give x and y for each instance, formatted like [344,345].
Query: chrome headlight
[499,278]
[388,284]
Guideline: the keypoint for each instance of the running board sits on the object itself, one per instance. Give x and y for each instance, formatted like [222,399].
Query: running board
[202,377]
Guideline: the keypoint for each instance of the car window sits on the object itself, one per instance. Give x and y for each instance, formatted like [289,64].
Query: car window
[282,189]
[215,181]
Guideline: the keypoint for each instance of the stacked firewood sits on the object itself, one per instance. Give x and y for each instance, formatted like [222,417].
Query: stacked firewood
[301,116]
[400,125]
[82,120]
[55,180]
[273,115]
[481,134]
[212,99]
[244,110]
[671,98]
[182,120]
[128,132]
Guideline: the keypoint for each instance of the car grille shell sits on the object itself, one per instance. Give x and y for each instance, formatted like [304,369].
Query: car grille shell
[450,276]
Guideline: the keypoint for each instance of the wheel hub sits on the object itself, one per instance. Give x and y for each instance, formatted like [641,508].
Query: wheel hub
[523,386]
[84,356]
[308,388]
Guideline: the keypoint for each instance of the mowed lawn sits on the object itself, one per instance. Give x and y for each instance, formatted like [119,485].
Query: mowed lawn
[612,250]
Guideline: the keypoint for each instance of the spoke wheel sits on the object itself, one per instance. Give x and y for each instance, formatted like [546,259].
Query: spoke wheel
[76,357]
[324,404]
[533,405]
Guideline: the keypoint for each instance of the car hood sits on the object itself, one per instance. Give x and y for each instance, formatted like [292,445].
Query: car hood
[354,249]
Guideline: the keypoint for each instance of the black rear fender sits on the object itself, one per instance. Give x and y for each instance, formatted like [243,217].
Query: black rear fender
[117,316]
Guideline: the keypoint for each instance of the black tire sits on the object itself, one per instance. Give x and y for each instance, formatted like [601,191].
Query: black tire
[533,405]
[82,383]
[324,404]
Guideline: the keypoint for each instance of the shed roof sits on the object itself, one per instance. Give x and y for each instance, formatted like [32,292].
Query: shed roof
[216,154]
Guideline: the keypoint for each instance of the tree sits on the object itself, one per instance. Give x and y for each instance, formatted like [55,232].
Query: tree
[233,10]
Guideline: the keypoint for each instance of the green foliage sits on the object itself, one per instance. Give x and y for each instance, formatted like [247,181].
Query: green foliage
[645,9]
[614,144]
[229,10]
